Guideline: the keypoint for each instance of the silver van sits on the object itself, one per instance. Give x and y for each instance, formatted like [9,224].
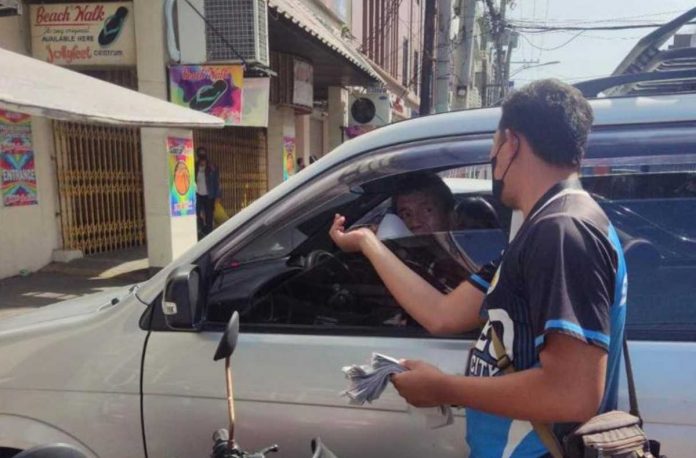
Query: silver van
[116,377]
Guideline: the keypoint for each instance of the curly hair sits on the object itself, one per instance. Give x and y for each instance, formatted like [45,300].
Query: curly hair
[553,116]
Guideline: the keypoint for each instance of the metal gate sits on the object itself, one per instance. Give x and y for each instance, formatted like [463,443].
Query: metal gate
[100,186]
[240,155]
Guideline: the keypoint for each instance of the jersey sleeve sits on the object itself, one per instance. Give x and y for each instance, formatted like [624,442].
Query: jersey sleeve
[481,280]
[569,271]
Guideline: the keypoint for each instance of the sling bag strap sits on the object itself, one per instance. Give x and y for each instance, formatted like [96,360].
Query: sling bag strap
[632,398]
[544,430]
[548,438]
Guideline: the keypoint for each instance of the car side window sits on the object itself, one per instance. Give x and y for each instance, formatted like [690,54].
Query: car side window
[652,204]
[316,289]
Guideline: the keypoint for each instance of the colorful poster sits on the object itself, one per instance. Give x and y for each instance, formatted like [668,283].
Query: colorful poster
[182,188]
[303,86]
[256,96]
[214,89]
[83,33]
[288,156]
[18,178]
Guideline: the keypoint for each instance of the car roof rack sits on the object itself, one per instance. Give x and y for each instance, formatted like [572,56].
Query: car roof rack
[647,70]
[658,82]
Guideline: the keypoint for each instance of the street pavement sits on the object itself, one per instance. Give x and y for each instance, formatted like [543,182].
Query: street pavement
[63,281]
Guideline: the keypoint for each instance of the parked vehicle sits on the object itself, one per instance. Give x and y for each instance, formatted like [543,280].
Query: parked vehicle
[114,375]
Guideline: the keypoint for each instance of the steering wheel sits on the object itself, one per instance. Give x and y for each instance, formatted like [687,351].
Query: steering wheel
[317,257]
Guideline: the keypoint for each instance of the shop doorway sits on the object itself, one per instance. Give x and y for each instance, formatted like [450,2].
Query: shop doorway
[240,153]
[100,181]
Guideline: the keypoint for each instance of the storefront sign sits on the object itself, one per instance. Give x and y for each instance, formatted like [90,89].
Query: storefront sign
[83,33]
[256,96]
[18,178]
[288,156]
[303,93]
[214,89]
[182,190]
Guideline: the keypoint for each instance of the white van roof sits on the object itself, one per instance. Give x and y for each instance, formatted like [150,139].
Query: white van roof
[607,111]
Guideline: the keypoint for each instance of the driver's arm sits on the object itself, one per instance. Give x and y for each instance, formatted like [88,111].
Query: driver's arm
[439,313]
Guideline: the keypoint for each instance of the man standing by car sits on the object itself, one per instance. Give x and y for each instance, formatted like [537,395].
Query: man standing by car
[555,308]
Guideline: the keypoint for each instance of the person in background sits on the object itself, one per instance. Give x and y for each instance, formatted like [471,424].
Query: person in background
[312,159]
[207,191]
[300,164]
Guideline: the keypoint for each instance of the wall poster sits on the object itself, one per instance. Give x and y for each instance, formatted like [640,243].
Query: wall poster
[182,188]
[288,156]
[18,179]
[213,89]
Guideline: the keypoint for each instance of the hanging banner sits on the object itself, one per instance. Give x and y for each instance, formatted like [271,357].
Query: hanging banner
[18,178]
[303,93]
[182,190]
[256,96]
[213,89]
[83,33]
[288,156]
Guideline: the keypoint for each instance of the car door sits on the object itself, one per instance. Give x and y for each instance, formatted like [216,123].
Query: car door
[288,377]
[644,177]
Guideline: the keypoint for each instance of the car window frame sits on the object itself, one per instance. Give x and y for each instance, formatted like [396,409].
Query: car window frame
[434,154]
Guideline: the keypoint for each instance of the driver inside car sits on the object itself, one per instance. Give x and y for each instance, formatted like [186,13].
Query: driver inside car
[422,205]
[426,206]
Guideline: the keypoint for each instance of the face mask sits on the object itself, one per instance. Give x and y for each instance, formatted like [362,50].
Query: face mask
[498,184]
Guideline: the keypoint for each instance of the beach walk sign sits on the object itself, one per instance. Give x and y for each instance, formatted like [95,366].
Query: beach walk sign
[84,34]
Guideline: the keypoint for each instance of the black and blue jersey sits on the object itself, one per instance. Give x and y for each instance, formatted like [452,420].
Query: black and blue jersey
[563,272]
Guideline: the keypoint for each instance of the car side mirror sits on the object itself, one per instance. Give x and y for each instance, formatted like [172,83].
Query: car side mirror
[228,342]
[182,302]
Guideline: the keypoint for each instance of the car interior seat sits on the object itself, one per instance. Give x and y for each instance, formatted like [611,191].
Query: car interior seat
[475,213]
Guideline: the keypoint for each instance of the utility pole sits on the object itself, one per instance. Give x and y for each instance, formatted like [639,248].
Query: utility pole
[442,78]
[503,66]
[497,22]
[464,54]
[428,58]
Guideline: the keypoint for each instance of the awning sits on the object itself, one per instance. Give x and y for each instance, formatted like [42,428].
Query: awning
[298,13]
[38,88]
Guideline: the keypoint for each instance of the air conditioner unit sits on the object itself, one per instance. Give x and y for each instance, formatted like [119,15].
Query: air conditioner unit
[232,28]
[367,112]
[10,8]
[370,110]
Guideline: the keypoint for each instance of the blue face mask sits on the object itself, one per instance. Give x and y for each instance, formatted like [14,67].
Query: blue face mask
[498,184]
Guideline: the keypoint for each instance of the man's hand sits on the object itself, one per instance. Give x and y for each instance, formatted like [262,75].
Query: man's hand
[351,241]
[419,384]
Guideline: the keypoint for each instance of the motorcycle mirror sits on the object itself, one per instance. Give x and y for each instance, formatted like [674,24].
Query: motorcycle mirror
[228,342]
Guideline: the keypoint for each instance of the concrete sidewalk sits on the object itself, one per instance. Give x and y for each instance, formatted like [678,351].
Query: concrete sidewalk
[62,281]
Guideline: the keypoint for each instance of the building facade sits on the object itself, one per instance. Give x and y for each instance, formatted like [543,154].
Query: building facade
[292,84]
